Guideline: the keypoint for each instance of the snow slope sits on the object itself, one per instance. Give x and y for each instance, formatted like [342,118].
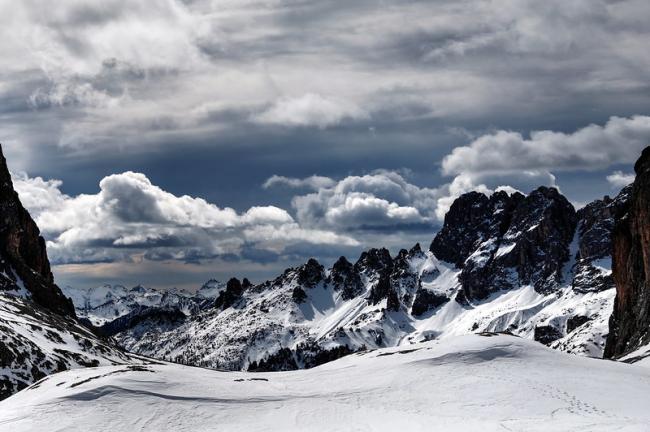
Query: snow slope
[35,342]
[478,382]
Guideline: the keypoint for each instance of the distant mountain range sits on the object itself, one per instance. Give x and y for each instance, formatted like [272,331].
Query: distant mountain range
[101,305]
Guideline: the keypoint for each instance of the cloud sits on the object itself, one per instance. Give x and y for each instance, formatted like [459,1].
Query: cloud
[619,179]
[511,159]
[620,140]
[378,201]
[37,194]
[312,182]
[95,87]
[384,201]
[310,110]
[144,73]
[488,183]
[130,217]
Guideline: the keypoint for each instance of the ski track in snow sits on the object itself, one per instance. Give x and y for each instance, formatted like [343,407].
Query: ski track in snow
[468,383]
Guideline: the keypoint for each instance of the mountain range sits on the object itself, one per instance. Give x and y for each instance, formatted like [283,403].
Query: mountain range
[528,265]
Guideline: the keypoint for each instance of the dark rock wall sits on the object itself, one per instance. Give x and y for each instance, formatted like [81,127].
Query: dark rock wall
[22,251]
[630,321]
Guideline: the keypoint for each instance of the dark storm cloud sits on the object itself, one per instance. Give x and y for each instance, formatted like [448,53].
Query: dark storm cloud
[211,99]
[365,61]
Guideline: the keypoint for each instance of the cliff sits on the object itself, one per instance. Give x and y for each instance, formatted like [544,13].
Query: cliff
[24,266]
[630,321]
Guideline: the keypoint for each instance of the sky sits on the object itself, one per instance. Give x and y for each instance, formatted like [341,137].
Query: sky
[166,142]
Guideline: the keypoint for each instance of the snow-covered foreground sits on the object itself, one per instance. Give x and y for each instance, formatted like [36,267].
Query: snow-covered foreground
[474,382]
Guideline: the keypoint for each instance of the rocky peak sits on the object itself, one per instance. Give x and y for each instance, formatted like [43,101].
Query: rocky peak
[520,241]
[344,277]
[596,222]
[310,273]
[374,260]
[416,251]
[642,165]
[138,289]
[404,279]
[23,258]
[342,265]
[230,295]
[473,218]
[246,284]
[401,259]
[542,226]
[629,325]
[462,228]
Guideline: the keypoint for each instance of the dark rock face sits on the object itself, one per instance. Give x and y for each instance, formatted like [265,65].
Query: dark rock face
[374,260]
[547,334]
[403,280]
[425,301]
[396,280]
[230,295]
[346,279]
[23,258]
[595,225]
[472,219]
[543,226]
[282,360]
[576,321]
[377,266]
[311,273]
[629,325]
[382,290]
[305,356]
[522,241]
[298,295]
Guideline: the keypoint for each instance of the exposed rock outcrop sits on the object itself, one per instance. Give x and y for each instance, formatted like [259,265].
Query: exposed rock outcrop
[310,274]
[345,279]
[23,259]
[629,326]
[522,241]
[426,301]
[230,295]
[472,219]
[593,257]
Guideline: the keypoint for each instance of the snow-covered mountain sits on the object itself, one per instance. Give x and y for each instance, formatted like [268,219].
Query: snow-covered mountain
[530,265]
[103,304]
[479,382]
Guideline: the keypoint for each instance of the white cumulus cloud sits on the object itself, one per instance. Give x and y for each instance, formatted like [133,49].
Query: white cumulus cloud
[619,179]
[130,216]
[620,140]
[381,200]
